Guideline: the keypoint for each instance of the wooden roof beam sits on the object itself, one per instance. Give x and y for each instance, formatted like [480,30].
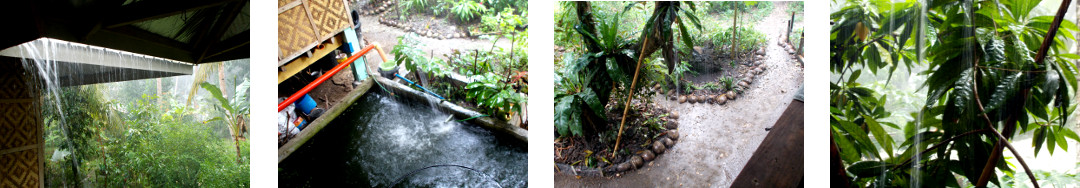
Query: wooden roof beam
[149,10]
[220,26]
[235,42]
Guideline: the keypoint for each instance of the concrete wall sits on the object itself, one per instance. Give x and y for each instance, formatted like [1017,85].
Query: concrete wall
[21,139]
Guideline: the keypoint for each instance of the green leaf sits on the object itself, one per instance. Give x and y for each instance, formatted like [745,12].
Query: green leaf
[1039,138]
[214,91]
[873,57]
[1068,133]
[567,117]
[589,97]
[847,149]
[995,50]
[1004,91]
[687,40]
[864,169]
[880,135]
[1059,137]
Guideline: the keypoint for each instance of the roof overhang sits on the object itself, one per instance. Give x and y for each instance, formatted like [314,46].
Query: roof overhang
[193,31]
[81,64]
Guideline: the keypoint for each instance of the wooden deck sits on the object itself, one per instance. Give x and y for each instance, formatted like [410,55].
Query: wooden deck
[778,161]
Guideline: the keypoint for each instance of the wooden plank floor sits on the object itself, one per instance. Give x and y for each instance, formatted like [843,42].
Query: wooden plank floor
[778,161]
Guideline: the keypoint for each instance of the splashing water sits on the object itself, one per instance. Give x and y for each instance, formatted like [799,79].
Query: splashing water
[381,138]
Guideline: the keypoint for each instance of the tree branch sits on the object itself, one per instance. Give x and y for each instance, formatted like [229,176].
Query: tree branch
[942,143]
[1039,58]
[996,154]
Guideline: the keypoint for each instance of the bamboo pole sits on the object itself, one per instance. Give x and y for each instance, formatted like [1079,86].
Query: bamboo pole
[633,83]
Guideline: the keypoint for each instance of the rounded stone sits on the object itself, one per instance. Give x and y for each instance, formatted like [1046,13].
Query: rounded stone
[637,161]
[673,134]
[648,155]
[682,99]
[658,147]
[667,141]
[671,125]
[721,99]
[731,95]
[622,167]
[710,99]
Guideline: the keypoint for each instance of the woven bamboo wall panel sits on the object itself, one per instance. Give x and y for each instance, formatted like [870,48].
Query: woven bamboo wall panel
[17,127]
[12,85]
[329,15]
[20,129]
[308,23]
[294,31]
[20,169]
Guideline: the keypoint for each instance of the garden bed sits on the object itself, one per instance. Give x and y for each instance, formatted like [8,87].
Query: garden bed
[649,132]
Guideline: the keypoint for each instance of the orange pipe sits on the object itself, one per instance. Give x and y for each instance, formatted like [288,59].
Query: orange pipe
[324,77]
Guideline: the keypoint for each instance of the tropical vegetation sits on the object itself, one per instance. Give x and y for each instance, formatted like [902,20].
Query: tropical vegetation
[142,133]
[994,70]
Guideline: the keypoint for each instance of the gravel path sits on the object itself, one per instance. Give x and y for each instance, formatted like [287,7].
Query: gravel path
[717,141]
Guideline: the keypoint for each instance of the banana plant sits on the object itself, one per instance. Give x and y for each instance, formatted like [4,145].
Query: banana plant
[236,112]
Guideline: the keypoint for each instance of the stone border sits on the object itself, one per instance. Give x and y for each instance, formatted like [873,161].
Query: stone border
[381,10]
[636,161]
[754,68]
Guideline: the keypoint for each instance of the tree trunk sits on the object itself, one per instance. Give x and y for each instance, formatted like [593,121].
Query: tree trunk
[585,18]
[236,142]
[735,32]
[221,80]
[159,91]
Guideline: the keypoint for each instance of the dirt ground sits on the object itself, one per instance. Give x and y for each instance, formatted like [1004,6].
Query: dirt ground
[386,36]
[718,140]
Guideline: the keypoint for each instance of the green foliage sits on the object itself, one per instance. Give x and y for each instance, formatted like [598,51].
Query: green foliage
[981,50]
[573,98]
[728,83]
[586,81]
[749,39]
[465,10]
[758,10]
[1053,178]
[494,95]
[410,53]
[505,21]
[138,142]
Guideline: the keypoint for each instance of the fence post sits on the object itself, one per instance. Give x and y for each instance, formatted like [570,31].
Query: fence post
[802,36]
[789,24]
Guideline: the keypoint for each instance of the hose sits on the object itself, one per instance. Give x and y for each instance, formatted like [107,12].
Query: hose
[424,89]
[396,182]
[474,117]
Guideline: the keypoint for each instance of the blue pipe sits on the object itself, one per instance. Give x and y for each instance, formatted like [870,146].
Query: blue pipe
[421,87]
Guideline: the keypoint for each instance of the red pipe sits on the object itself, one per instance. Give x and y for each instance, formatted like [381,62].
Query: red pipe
[324,77]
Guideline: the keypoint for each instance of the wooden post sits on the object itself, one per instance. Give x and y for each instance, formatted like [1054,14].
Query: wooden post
[801,37]
[790,23]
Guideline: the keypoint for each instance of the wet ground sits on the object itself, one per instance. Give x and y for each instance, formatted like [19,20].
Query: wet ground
[380,139]
[373,31]
[718,140]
